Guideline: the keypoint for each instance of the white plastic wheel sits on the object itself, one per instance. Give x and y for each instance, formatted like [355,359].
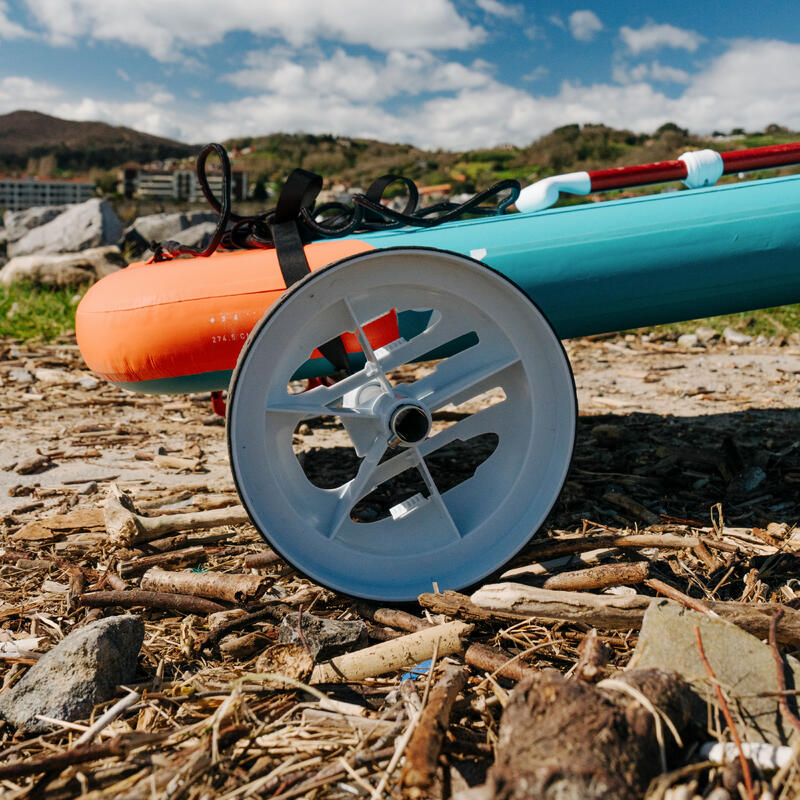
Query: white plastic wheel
[397,430]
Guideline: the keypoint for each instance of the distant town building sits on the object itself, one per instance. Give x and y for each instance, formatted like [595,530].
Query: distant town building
[19,193]
[176,183]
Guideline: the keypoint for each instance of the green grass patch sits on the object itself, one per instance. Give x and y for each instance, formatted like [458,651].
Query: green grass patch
[779,321]
[28,311]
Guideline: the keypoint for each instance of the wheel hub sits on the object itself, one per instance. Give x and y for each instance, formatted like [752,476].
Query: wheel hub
[410,423]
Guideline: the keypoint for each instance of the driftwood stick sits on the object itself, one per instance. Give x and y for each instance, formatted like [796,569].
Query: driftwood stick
[162,600]
[126,527]
[422,752]
[180,558]
[216,585]
[401,653]
[783,703]
[611,612]
[632,506]
[569,545]
[624,574]
[497,662]
[181,540]
[455,604]
[77,755]
[723,704]
[266,558]
[679,597]
[393,618]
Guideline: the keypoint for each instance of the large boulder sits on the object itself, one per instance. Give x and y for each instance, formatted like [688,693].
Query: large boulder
[78,673]
[80,227]
[18,223]
[63,269]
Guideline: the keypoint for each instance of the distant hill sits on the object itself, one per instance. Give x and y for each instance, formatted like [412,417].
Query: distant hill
[78,146]
[46,145]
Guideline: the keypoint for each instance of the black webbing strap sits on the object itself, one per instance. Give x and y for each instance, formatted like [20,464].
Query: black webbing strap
[300,192]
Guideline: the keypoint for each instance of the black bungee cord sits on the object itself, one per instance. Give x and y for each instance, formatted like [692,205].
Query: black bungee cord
[329,220]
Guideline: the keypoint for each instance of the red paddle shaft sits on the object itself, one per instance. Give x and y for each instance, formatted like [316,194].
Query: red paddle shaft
[776,155]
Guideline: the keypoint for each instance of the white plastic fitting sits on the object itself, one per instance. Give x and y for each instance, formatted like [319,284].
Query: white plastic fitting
[544,193]
[703,168]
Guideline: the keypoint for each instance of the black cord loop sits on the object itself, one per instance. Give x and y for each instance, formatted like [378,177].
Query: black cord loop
[329,220]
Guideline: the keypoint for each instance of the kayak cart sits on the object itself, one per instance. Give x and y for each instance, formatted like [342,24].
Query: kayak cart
[429,350]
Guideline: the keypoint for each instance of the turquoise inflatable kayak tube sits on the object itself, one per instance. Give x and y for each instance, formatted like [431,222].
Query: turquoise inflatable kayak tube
[640,261]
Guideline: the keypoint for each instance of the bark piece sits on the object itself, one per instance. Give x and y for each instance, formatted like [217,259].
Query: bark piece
[217,585]
[81,671]
[422,752]
[180,558]
[566,740]
[397,654]
[497,662]
[623,574]
[291,661]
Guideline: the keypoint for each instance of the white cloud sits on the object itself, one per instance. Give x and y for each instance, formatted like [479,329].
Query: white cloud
[9,29]
[356,78]
[499,9]
[469,106]
[554,19]
[654,37]
[166,28]
[18,92]
[583,25]
[535,74]
[653,71]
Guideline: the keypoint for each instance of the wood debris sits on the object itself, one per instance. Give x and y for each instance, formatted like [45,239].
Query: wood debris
[221,709]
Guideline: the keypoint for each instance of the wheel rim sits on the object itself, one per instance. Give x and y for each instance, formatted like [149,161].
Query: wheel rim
[449,537]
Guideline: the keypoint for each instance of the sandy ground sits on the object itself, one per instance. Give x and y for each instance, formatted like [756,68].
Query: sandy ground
[92,432]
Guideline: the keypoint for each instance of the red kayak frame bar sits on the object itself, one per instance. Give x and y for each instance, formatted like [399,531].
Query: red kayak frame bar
[777,155]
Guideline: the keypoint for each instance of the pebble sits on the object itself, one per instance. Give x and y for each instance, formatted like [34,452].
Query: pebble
[688,340]
[735,337]
[20,375]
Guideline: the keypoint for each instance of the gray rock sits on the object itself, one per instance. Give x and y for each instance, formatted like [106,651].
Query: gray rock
[688,340]
[78,673]
[198,235]
[158,227]
[741,663]
[63,269]
[80,227]
[735,337]
[325,637]
[18,223]
[705,335]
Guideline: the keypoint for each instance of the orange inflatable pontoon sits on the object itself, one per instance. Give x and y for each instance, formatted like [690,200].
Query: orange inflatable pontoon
[178,326]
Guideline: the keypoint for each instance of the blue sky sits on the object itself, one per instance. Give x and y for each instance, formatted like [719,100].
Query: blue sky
[437,73]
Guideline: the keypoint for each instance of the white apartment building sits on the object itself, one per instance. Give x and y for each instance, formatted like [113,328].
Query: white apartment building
[19,193]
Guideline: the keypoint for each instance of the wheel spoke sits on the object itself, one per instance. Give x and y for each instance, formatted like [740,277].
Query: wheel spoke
[404,351]
[320,401]
[355,489]
[460,375]
[490,420]
[436,496]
